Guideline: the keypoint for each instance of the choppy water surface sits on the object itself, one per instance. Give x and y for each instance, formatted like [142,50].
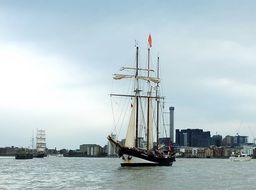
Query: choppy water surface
[106,173]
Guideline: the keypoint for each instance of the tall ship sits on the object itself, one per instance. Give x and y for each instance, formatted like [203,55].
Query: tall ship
[40,144]
[141,146]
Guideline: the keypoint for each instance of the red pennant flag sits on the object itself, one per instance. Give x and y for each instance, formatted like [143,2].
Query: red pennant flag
[150,40]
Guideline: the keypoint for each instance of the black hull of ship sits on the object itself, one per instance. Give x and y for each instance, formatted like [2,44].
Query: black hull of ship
[150,158]
[40,155]
[23,156]
[147,158]
[138,164]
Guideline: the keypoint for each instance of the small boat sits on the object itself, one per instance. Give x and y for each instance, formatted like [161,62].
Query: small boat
[143,149]
[23,154]
[59,155]
[239,157]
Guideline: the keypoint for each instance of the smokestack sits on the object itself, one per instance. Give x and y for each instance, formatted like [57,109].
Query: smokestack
[171,123]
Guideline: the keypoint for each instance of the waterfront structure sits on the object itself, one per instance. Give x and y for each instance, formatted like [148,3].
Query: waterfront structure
[193,138]
[8,151]
[91,149]
[192,152]
[237,140]
[210,152]
[248,149]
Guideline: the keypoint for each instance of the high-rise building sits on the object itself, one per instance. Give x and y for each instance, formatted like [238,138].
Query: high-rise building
[111,148]
[235,140]
[193,137]
[240,140]
[216,140]
[91,149]
[228,141]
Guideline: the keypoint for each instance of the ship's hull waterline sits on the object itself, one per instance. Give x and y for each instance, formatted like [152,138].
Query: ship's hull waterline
[132,161]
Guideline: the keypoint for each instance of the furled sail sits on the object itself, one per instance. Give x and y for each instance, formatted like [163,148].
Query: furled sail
[131,131]
[122,76]
[152,79]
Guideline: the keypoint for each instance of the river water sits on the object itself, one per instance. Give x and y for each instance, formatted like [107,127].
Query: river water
[106,173]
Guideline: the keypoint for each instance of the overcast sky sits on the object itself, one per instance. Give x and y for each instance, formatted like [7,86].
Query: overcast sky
[57,59]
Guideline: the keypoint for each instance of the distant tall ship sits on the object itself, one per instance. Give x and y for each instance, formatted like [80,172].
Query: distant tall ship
[40,144]
[141,148]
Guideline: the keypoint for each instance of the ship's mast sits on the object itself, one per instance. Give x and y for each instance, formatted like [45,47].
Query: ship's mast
[32,141]
[133,128]
[137,97]
[148,101]
[157,108]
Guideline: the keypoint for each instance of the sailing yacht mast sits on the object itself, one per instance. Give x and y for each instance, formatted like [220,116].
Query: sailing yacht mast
[137,98]
[157,106]
[148,103]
